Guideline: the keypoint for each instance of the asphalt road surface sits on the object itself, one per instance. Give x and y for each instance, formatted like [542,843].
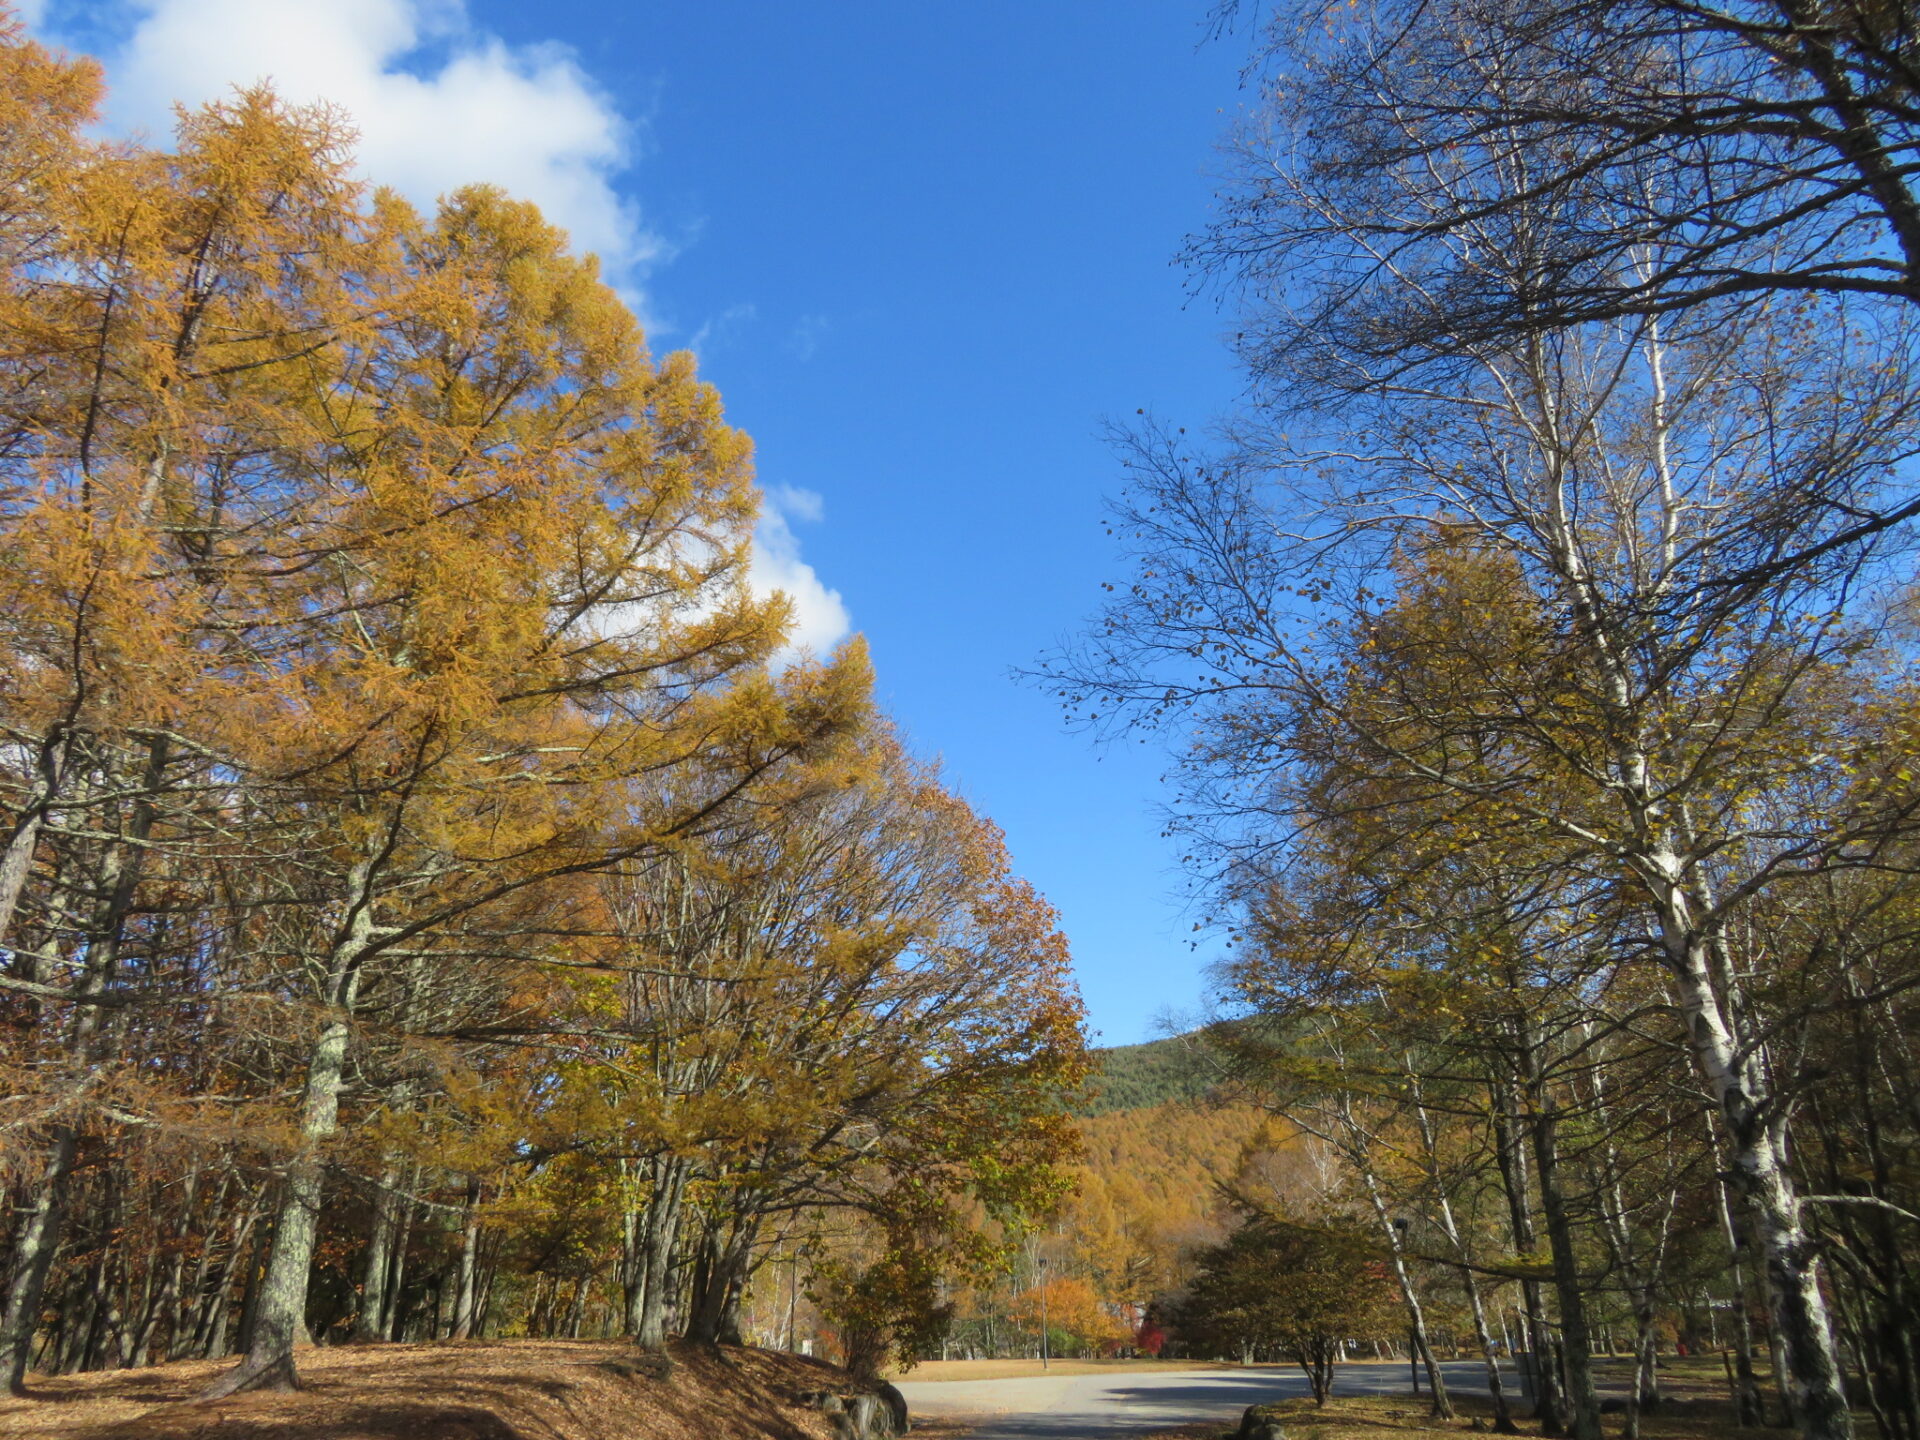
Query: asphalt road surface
[1123,1403]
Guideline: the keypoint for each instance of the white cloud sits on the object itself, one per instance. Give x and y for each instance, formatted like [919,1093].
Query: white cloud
[820,617]
[438,103]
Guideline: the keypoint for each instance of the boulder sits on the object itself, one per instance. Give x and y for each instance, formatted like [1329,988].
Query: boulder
[1258,1424]
[861,1415]
[897,1405]
[871,1417]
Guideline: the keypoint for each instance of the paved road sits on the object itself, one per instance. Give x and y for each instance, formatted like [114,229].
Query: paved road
[1138,1402]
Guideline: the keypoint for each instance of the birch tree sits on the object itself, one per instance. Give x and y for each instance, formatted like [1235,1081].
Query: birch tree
[1514,616]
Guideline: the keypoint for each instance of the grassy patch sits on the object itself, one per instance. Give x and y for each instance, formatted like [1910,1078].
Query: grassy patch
[1696,1416]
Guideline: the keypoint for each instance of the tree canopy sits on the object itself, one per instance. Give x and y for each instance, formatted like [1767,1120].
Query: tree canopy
[431,900]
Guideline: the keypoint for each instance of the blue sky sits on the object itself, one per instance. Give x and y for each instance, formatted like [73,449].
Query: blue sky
[924,251]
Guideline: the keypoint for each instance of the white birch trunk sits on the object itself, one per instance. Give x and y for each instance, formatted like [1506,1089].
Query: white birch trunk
[1808,1356]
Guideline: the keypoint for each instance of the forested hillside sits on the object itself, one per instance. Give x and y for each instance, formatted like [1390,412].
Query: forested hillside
[1132,1077]
[1161,1159]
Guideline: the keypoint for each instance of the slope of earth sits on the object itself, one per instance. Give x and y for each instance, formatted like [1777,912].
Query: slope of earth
[473,1390]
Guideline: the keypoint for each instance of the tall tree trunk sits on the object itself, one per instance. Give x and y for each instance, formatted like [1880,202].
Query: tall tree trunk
[161,1298]
[108,1348]
[195,1299]
[393,1320]
[1577,1348]
[1640,1273]
[16,856]
[35,1241]
[1359,1156]
[369,1322]
[577,1307]
[39,1234]
[243,1262]
[705,1258]
[489,1273]
[279,1321]
[1755,1132]
[660,1228]
[633,1250]
[715,1315]
[1749,1404]
[543,1309]
[466,1288]
[1514,1176]
[81,1335]
[1502,1416]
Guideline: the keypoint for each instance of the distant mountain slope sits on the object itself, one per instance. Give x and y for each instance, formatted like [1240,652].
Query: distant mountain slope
[1134,1077]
